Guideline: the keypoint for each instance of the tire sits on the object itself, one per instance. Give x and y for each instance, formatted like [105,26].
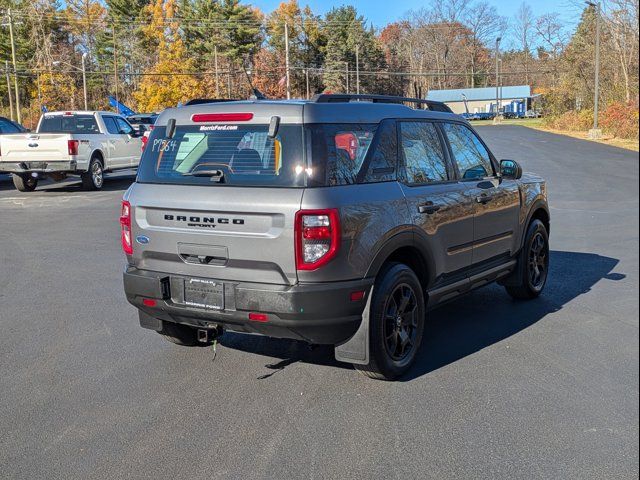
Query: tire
[24,183]
[389,329]
[93,178]
[182,335]
[533,264]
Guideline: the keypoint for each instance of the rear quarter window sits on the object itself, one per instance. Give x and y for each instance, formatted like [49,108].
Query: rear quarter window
[338,152]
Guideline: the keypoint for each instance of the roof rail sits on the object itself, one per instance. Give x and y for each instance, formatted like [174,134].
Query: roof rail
[345,98]
[200,101]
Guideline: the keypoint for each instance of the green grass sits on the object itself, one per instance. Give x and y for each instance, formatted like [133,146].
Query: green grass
[525,122]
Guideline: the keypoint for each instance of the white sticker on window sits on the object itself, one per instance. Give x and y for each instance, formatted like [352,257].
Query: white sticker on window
[216,128]
[163,145]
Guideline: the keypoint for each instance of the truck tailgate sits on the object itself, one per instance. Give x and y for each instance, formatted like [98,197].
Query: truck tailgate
[20,147]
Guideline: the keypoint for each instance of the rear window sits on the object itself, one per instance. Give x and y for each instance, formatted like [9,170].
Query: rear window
[143,120]
[244,154]
[68,124]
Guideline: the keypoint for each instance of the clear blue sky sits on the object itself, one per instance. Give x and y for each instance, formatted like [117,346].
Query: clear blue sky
[381,12]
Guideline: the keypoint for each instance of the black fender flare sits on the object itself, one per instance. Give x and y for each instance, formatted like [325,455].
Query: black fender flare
[409,236]
[538,204]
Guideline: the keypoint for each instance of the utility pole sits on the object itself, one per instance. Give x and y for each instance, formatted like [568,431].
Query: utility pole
[15,71]
[346,75]
[595,132]
[84,80]
[215,62]
[6,70]
[357,69]
[286,52]
[306,75]
[115,64]
[496,119]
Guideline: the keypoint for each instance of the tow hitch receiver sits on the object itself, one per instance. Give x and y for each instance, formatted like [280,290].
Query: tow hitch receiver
[203,335]
[207,335]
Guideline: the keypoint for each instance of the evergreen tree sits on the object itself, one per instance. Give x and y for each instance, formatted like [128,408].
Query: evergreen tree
[345,29]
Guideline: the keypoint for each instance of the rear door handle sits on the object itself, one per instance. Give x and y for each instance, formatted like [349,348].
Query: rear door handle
[428,208]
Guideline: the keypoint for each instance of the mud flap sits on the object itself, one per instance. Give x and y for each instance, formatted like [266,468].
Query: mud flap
[147,321]
[356,349]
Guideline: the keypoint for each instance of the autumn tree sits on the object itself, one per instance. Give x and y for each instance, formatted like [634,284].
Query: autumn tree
[171,79]
[307,43]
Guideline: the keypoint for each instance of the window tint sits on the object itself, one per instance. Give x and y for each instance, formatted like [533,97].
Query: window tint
[123,126]
[244,154]
[68,124]
[338,152]
[110,123]
[471,156]
[382,165]
[423,153]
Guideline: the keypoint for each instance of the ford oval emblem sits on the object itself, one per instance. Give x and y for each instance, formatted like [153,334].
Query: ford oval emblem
[141,239]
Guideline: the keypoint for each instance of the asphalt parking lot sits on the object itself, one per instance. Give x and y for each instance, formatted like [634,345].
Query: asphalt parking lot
[502,389]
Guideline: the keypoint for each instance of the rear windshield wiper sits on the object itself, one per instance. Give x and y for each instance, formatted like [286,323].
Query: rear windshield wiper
[216,175]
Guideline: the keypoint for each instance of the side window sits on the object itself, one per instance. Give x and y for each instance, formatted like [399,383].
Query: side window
[382,164]
[338,152]
[423,153]
[469,153]
[112,127]
[123,126]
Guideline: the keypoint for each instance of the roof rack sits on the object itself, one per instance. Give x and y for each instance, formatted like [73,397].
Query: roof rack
[345,98]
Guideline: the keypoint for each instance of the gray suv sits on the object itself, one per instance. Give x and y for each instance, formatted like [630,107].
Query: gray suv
[341,220]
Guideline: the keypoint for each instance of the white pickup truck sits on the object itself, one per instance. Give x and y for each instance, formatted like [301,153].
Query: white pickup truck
[71,143]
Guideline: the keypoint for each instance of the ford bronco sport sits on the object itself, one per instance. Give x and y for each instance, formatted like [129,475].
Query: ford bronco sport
[340,220]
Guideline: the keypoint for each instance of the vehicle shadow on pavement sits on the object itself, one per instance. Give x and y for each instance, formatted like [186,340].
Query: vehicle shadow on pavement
[489,315]
[462,327]
[72,185]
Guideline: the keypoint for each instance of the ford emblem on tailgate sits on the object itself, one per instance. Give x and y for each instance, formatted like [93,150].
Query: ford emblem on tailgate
[142,239]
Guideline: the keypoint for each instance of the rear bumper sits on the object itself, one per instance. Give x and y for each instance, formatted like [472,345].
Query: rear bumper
[316,313]
[39,167]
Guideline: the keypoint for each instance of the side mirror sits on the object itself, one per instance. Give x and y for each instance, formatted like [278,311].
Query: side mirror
[141,129]
[510,169]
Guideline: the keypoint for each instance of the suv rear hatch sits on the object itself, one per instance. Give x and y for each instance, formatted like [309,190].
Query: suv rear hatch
[218,199]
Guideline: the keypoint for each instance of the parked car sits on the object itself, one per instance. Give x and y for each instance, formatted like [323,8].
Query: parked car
[532,114]
[87,144]
[9,126]
[145,120]
[341,220]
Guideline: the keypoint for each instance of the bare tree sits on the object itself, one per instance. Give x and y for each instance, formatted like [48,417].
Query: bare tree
[484,25]
[622,21]
[524,21]
[550,30]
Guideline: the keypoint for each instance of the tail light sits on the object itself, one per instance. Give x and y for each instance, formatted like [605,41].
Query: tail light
[145,139]
[317,235]
[72,146]
[125,228]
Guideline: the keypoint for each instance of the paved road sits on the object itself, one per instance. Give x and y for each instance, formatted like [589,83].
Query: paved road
[545,389]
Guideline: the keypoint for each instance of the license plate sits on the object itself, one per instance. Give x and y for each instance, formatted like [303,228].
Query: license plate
[204,294]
